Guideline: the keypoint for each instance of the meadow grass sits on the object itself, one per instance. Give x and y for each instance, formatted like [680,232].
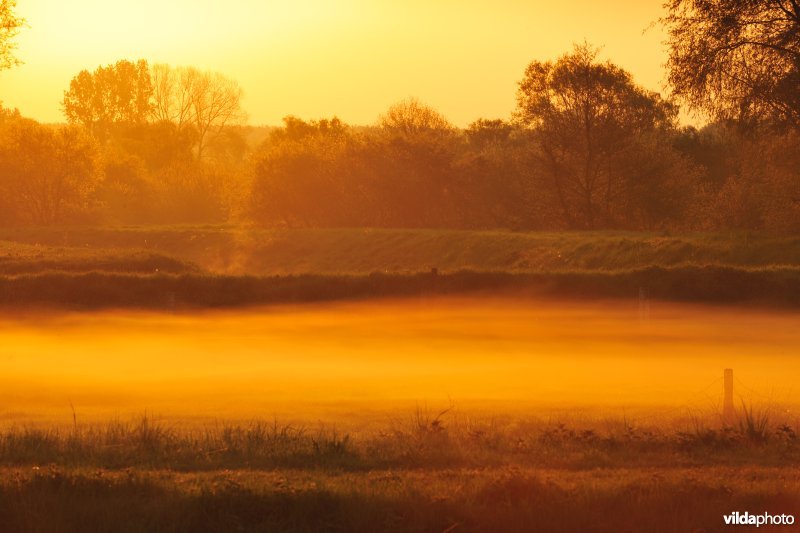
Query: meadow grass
[225,266]
[245,250]
[21,259]
[425,441]
[486,500]
[431,473]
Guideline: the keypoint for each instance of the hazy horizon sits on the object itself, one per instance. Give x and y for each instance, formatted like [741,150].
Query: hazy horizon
[346,58]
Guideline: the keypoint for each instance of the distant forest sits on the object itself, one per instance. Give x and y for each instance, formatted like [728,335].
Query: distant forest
[585,148]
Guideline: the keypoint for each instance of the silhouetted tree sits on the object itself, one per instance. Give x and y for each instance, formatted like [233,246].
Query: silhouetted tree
[495,171]
[412,164]
[48,175]
[111,96]
[191,192]
[303,176]
[126,193]
[483,132]
[10,25]
[411,117]
[206,102]
[584,115]
[157,144]
[750,180]
[8,114]
[736,58]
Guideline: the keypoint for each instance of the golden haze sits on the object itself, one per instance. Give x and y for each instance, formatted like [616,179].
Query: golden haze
[316,58]
[355,363]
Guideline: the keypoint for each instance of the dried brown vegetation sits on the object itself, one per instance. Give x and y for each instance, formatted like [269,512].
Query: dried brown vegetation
[476,476]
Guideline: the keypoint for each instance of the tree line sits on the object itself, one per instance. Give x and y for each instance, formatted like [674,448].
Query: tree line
[586,147]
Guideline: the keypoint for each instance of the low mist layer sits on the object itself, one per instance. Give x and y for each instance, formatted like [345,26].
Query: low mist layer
[351,362]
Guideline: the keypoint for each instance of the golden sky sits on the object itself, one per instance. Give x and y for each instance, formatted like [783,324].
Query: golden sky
[318,58]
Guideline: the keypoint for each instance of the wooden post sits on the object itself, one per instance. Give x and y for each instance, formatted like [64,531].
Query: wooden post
[728,411]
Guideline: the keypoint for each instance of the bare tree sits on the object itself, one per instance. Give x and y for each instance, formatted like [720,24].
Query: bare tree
[171,101]
[204,101]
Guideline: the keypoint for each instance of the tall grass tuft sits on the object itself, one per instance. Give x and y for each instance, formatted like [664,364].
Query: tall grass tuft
[754,425]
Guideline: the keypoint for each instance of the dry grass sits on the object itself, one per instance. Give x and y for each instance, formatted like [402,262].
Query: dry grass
[427,440]
[430,473]
[493,499]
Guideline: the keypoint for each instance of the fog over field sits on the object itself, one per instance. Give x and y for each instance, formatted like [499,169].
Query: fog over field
[354,364]
[399,266]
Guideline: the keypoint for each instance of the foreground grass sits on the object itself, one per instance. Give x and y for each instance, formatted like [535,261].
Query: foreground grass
[504,499]
[432,473]
[426,442]
[755,440]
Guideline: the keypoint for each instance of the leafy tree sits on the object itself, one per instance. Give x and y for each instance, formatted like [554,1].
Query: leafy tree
[584,114]
[736,58]
[296,129]
[411,117]
[47,176]
[484,132]
[495,178]
[413,164]
[749,182]
[157,144]
[302,175]
[7,114]
[109,97]
[126,193]
[191,192]
[10,25]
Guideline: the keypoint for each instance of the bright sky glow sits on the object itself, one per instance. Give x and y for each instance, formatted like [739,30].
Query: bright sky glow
[317,58]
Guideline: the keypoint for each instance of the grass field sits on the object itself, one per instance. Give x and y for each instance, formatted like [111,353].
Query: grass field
[234,250]
[27,259]
[434,473]
[225,266]
[439,471]
[493,499]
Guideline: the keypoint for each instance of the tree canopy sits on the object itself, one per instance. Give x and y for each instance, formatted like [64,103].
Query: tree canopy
[410,117]
[736,59]
[10,25]
[113,95]
[585,115]
[50,174]
[205,102]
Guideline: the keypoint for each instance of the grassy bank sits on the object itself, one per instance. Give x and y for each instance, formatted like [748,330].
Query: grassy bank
[18,259]
[234,250]
[191,267]
[767,286]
